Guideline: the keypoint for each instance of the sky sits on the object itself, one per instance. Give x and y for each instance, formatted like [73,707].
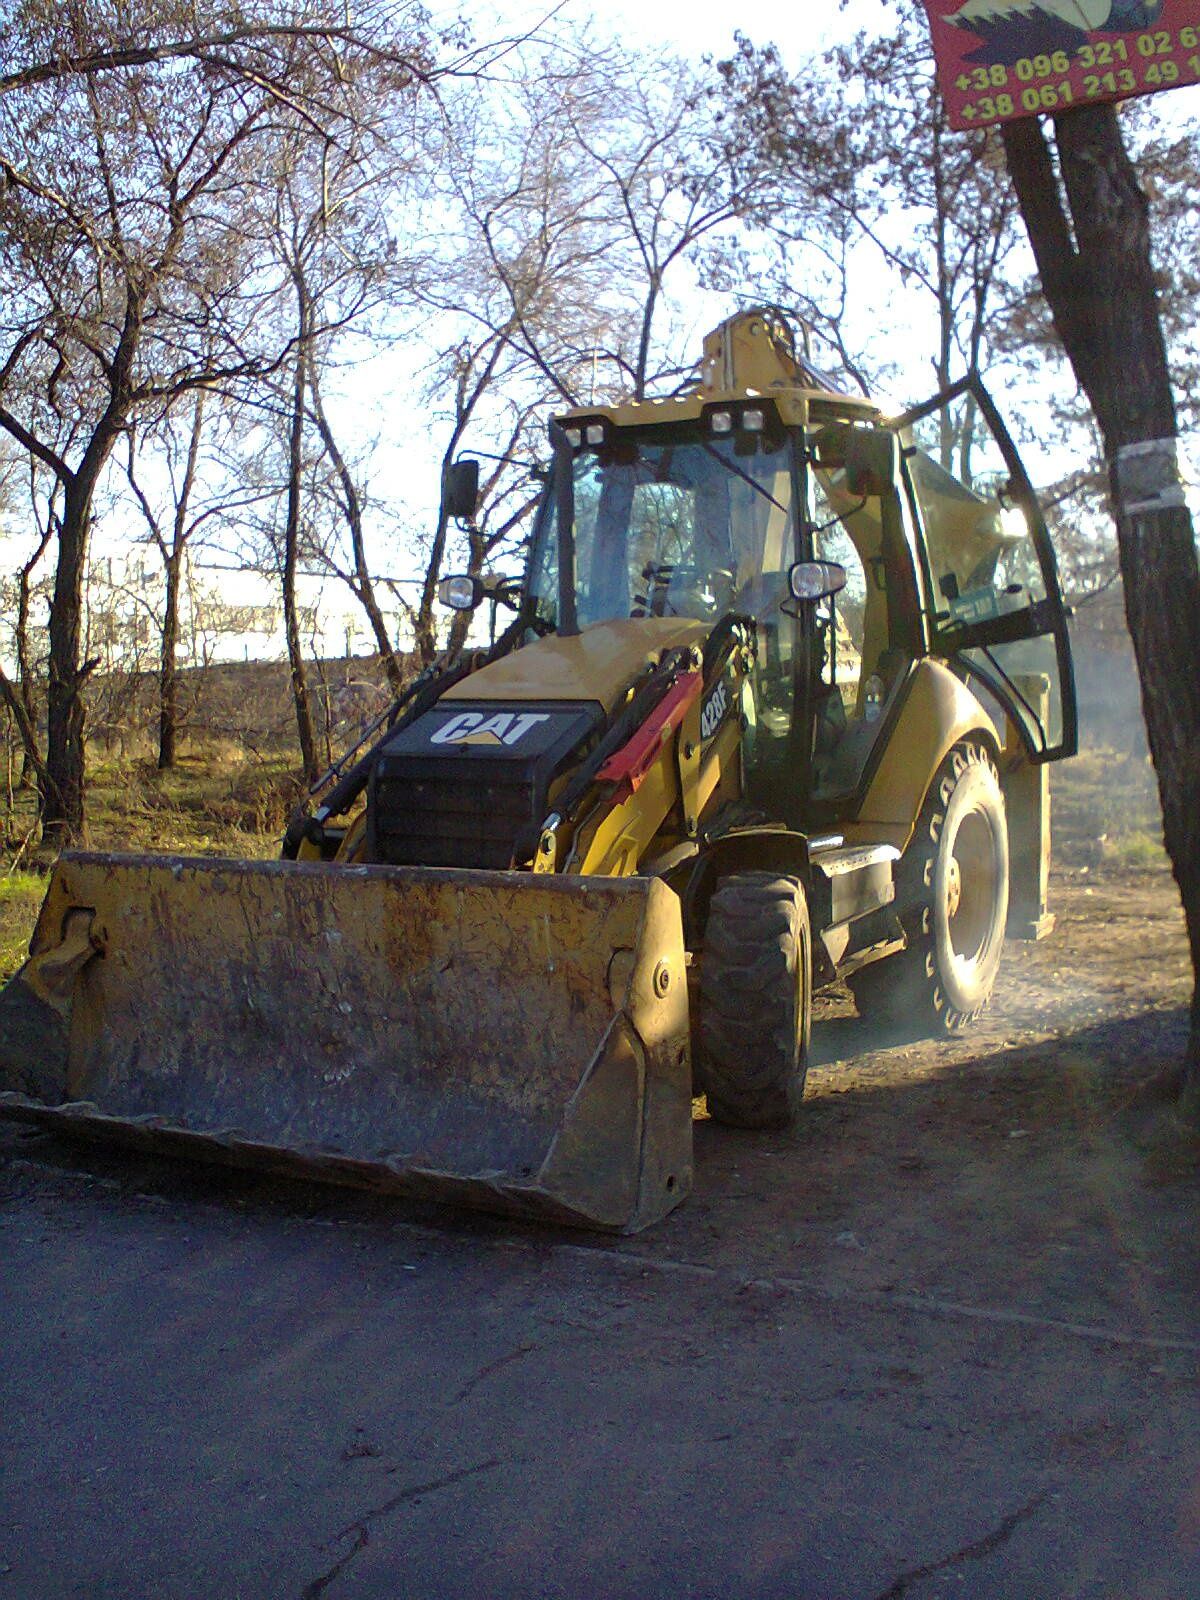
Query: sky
[695,27]
[699,28]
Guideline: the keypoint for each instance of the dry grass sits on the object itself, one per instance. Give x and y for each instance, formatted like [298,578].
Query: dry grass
[212,803]
[231,793]
[219,801]
[20,896]
[1106,811]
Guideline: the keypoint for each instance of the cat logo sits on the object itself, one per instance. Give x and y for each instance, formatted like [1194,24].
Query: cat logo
[477,728]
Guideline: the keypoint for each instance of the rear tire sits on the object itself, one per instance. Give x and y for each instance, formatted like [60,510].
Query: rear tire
[755,1001]
[952,893]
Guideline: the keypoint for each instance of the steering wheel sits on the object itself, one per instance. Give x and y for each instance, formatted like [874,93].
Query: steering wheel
[685,591]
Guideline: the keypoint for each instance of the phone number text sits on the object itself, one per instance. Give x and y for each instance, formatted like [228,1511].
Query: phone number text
[1101,69]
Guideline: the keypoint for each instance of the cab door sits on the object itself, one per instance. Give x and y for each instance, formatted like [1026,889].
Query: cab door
[994,603]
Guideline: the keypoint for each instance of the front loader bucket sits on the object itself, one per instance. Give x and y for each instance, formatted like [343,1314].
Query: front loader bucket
[514,1043]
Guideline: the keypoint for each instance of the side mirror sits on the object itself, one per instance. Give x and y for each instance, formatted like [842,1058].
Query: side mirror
[460,489]
[816,580]
[461,592]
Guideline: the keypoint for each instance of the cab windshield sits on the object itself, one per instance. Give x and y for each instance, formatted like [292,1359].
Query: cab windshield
[667,528]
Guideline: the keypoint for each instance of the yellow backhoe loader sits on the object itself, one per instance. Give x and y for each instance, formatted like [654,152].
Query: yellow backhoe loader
[774,709]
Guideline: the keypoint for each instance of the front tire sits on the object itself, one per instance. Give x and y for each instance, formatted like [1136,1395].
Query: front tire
[952,892]
[755,1001]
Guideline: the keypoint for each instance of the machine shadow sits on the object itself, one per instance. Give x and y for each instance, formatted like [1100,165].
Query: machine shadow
[904,1117]
[880,1108]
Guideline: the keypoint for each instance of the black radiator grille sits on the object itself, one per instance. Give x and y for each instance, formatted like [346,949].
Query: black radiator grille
[452,818]
[467,784]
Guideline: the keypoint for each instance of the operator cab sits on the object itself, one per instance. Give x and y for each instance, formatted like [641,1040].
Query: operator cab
[931,516]
[706,518]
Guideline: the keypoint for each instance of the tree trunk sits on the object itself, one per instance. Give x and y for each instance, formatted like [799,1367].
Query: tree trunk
[1098,278]
[425,625]
[291,545]
[26,728]
[1162,604]
[168,671]
[643,355]
[31,762]
[63,797]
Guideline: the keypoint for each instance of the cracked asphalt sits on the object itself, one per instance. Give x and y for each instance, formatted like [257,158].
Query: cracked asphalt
[943,1340]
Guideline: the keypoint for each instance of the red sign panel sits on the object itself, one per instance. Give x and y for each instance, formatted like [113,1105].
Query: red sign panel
[999,59]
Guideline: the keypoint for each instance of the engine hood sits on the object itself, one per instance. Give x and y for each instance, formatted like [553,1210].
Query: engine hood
[595,665]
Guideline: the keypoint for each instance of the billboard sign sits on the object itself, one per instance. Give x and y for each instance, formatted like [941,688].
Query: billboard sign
[999,59]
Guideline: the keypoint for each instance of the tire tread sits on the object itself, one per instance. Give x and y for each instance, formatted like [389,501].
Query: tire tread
[750,995]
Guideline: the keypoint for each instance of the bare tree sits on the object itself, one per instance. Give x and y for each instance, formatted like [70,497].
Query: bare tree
[254,44]
[183,449]
[673,182]
[172,547]
[35,492]
[21,500]
[508,289]
[578,198]
[94,255]
[117,247]
[654,177]
[350,502]
[291,554]
[324,221]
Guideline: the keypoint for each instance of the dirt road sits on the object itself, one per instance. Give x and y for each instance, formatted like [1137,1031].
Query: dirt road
[943,1339]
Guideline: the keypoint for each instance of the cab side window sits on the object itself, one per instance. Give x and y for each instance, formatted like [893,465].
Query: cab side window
[862,655]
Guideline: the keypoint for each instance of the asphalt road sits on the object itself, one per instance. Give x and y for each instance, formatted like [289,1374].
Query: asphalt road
[214,1388]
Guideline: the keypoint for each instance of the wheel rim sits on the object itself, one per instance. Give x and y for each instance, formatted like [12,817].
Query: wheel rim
[971,884]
